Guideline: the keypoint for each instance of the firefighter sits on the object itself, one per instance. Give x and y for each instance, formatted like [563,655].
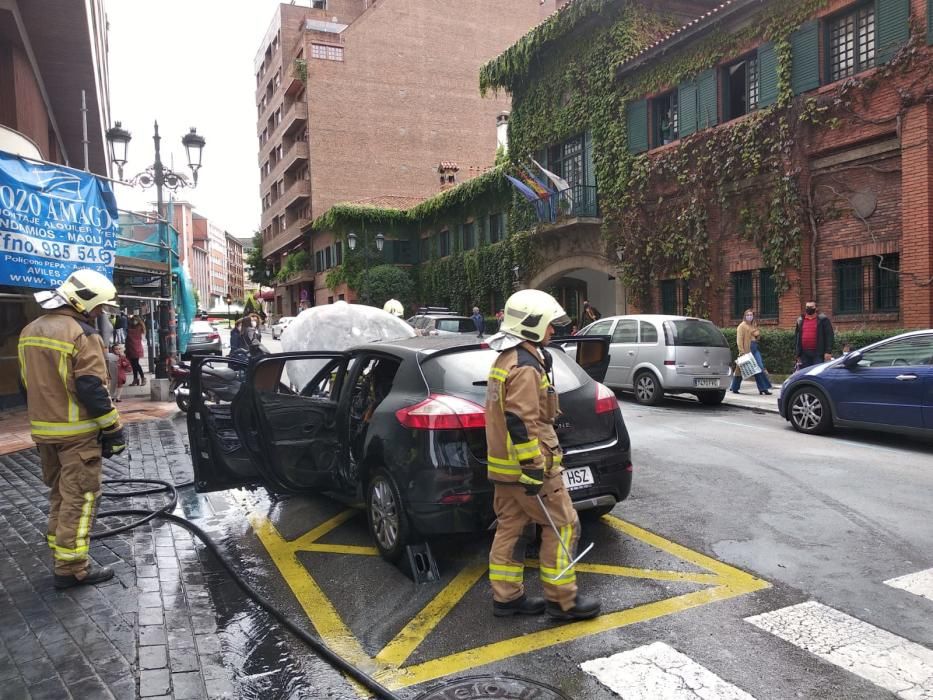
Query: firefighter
[73,421]
[524,461]
[394,307]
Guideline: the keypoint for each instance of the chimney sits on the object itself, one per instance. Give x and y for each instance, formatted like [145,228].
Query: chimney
[447,171]
[502,131]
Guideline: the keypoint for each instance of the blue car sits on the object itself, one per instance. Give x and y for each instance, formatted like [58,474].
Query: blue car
[885,386]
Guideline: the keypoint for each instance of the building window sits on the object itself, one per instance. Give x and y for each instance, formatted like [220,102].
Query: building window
[743,294]
[319,261]
[566,160]
[469,236]
[425,248]
[319,4]
[887,283]
[338,253]
[767,294]
[495,228]
[847,275]
[665,118]
[443,244]
[852,42]
[326,52]
[743,87]
[674,297]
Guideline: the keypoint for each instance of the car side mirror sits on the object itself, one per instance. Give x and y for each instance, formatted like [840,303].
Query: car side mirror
[852,359]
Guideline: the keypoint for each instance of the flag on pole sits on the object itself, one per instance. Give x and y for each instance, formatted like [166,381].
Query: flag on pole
[562,186]
[530,195]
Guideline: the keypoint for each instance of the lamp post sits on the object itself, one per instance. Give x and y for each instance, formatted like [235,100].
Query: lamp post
[380,242]
[158,176]
[228,299]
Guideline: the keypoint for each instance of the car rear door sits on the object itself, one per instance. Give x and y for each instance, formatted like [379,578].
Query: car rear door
[287,418]
[591,353]
[701,353]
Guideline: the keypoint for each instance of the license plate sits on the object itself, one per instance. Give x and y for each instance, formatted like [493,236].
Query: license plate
[577,478]
[199,339]
[706,383]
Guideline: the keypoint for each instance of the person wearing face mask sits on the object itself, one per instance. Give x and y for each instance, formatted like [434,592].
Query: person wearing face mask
[813,337]
[747,337]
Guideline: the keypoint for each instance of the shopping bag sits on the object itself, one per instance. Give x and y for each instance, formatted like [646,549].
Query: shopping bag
[747,365]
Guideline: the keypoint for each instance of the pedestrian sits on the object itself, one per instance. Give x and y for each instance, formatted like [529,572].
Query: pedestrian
[123,368]
[478,322]
[136,349]
[524,464]
[73,420]
[250,335]
[590,313]
[119,328]
[813,337]
[235,337]
[747,338]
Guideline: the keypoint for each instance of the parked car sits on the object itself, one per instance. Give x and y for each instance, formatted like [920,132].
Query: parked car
[398,427]
[279,326]
[654,355]
[885,386]
[204,340]
[443,324]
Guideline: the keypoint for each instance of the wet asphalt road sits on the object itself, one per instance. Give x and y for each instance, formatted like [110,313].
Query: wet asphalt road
[816,518]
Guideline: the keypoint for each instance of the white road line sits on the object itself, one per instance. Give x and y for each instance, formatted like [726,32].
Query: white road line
[892,662]
[920,583]
[659,671]
[743,425]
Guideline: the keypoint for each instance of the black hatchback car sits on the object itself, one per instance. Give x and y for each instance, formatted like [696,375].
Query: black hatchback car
[397,428]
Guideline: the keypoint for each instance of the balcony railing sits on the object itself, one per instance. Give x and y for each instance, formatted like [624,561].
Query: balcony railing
[579,201]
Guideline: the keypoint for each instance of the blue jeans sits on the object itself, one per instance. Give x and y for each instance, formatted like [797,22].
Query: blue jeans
[760,379]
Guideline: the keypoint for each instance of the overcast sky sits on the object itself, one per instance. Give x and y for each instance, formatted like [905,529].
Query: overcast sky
[190,63]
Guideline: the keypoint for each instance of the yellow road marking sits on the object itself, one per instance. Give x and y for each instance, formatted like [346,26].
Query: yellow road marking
[723,582]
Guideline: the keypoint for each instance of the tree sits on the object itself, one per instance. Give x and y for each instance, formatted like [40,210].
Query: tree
[258,271]
[386,282]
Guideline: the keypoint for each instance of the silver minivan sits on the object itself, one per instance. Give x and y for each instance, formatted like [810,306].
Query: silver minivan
[654,355]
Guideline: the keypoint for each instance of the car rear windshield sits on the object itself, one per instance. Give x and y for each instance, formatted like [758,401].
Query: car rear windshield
[455,325]
[694,333]
[465,373]
[201,327]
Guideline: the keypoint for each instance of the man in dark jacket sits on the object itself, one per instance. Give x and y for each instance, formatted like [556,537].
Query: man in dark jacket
[813,337]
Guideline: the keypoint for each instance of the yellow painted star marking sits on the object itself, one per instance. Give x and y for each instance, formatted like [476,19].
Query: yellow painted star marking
[721,580]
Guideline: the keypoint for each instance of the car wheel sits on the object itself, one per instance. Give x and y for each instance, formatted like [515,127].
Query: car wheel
[810,412]
[386,515]
[647,389]
[711,398]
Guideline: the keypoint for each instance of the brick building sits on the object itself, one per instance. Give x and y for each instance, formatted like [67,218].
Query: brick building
[363,98]
[235,278]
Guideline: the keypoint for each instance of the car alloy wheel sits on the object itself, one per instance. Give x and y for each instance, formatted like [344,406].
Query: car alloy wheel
[809,412]
[387,521]
[647,390]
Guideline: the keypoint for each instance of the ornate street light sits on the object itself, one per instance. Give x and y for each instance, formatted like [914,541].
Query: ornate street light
[352,239]
[119,140]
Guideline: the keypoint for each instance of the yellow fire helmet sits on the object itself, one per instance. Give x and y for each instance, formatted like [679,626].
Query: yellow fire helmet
[85,290]
[394,307]
[529,312]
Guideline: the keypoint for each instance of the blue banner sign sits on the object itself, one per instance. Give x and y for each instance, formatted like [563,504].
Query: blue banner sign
[53,220]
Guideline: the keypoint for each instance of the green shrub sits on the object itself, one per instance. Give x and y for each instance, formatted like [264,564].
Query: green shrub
[777,345]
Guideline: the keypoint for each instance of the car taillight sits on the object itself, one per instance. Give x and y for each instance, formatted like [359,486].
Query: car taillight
[213,336]
[456,498]
[440,412]
[606,400]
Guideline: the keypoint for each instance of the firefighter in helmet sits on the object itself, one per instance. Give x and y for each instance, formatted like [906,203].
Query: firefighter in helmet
[73,421]
[524,462]
[394,307]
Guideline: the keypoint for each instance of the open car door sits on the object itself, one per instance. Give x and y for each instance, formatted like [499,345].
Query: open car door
[286,417]
[591,352]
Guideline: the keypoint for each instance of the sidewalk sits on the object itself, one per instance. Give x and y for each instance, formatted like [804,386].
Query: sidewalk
[750,398]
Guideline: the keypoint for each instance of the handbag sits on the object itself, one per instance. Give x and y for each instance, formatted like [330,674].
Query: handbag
[747,365]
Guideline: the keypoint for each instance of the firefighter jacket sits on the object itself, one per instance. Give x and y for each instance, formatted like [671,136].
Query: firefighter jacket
[521,406]
[64,373]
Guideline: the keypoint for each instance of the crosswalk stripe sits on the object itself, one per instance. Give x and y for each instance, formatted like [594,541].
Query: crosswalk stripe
[920,583]
[892,662]
[660,671]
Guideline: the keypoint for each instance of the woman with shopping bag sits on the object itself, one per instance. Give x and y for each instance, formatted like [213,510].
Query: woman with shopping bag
[747,337]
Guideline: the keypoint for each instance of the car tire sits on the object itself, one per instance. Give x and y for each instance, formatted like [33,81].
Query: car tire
[648,391]
[385,514]
[809,412]
[711,398]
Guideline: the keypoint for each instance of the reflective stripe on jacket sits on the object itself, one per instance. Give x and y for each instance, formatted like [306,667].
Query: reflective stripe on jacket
[64,371]
[521,406]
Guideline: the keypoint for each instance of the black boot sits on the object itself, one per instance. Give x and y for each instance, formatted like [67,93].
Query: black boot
[94,574]
[519,606]
[583,609]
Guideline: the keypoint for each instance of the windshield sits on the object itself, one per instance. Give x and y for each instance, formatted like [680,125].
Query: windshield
[466,372]
[694,333]
[201,327]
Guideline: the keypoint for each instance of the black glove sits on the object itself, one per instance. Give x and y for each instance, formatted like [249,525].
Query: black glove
[112,442]
[532,479]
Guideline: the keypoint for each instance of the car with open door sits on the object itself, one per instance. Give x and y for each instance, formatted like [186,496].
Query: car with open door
[397,428]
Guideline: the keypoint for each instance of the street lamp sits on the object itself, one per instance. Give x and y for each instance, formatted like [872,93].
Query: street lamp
[228,299]
[158,176]
[380,243]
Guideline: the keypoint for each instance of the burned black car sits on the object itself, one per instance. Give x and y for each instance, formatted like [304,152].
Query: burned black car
[397,428]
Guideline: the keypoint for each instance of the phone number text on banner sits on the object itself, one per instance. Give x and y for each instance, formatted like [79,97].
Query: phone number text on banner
[53,221]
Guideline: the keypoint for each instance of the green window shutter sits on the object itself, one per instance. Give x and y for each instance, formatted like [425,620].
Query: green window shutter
[892,27]
[589,169]
[805,58]
[707,99]
[687,108]
[767,75]
[930,21]
[637,121]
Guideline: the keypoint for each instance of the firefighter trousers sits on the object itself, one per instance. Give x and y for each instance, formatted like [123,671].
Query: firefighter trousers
[72,471]
[518,513]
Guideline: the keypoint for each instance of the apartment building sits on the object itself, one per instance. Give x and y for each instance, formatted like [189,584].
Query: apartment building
[217,262]
[235,280]
[363,98]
